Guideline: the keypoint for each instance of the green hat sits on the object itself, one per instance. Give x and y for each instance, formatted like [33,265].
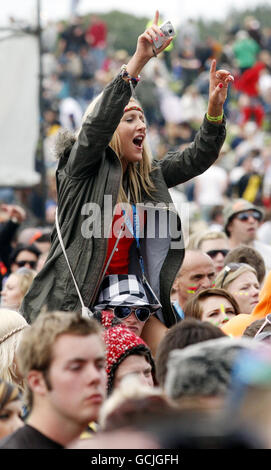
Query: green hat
[236,206]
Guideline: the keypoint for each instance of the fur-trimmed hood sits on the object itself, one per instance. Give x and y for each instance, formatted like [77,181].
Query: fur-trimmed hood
[63,143]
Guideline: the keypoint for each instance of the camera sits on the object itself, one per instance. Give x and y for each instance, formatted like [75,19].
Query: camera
[168,31]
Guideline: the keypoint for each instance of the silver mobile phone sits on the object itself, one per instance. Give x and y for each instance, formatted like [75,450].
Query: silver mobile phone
[168,31]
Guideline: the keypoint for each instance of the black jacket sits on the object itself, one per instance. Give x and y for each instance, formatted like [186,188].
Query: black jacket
[85,174]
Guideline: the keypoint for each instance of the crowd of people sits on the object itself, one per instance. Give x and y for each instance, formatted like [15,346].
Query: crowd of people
[128,321]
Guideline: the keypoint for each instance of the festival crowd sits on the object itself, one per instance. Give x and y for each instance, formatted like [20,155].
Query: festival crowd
[136,314]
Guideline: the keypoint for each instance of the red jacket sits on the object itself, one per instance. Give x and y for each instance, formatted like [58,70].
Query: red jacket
[248,81]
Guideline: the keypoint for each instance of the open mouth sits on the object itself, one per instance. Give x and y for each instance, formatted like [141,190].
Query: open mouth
[138,142]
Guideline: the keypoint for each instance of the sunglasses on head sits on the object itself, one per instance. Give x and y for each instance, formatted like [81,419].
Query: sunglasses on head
[244,216]
[213,253]
[231,267]
[21,264]
[142,313]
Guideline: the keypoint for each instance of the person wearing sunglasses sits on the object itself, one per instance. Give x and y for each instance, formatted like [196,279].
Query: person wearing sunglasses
[241,222]
[107,167]
[213,243]
[124,296]
[24,256]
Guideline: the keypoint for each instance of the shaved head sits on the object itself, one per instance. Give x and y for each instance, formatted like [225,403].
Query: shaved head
[194,258]
[197,273]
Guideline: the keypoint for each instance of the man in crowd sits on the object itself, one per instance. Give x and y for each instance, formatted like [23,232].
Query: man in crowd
[241,221]
[197,273]
[62,356]
[215,244]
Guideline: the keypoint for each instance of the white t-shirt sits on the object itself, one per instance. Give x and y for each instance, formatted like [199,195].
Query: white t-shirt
[264,233]
[265,251]
[210,186]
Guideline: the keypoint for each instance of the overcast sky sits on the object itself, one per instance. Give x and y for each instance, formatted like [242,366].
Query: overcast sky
[175,10]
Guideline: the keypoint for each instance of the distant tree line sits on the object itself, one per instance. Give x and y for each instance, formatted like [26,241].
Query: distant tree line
[124,28]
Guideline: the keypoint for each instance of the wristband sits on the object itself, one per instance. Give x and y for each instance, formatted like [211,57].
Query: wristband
[125,74]
[214,118]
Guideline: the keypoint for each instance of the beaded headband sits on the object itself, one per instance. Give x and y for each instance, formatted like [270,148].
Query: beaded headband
[133,108]
[12,332]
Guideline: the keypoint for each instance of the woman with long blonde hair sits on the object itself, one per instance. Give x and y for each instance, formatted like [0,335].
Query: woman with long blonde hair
[115,213]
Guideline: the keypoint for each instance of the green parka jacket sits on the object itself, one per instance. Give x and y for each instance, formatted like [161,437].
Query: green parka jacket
[91,170]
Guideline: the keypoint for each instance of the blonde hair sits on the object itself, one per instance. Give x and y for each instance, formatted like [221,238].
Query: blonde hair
[12,325]
[196,239]
[25,277]
[234,270]
[139,174]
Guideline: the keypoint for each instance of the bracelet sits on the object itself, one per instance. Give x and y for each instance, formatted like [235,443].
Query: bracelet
[125,74]
[214,118]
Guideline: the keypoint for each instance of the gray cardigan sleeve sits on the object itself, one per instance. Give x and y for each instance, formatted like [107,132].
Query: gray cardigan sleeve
[178,167]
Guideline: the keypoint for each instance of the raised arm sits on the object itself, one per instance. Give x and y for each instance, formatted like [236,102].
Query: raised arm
[101,122]
[218,89]
[178,167]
